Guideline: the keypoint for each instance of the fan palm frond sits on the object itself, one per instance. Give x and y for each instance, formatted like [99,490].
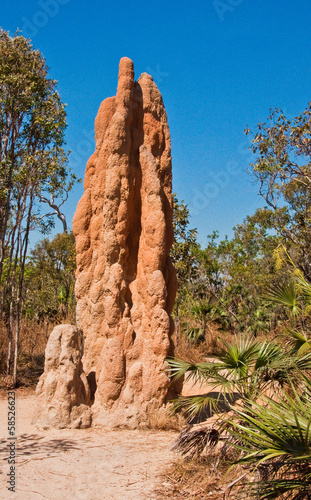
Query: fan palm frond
[285,295]
[269,353]
[193,405]
[197,371]
[305,288]
[298,341]
[302,363]
[276,436]
[295,488]
[238,356]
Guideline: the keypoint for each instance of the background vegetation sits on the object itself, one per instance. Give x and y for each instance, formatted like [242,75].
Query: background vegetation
[34,184]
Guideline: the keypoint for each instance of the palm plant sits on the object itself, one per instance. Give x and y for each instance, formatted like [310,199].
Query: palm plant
[296,297]
[195,335]
[275,438]
[285,295]
[259,322]
[200,311]
[244,368]
[298,341]
[273,433]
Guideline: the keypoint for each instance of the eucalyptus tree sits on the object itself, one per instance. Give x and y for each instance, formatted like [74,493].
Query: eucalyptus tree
[33,167]
[283,168]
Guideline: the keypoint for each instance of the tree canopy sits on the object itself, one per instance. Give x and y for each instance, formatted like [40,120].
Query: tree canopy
[34,176]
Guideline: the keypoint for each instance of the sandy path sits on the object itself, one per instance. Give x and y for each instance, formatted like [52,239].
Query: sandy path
[87,464]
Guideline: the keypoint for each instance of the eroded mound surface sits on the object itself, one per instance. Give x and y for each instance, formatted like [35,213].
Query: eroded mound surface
[126,283]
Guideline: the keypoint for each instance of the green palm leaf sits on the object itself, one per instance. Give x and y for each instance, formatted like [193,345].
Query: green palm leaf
[192,405]
[305,288]
[276,435]
[238,356]
[268,354]
[285,295]
[302,363]
[298,341]
[199,372]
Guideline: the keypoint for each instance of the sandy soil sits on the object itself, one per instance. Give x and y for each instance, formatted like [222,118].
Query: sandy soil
[87,464]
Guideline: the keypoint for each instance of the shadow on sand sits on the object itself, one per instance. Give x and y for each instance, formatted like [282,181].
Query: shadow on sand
[28,445]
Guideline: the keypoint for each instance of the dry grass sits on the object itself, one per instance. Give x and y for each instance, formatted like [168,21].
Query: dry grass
[161,419]
[32,342]
[212,345]
[201,478]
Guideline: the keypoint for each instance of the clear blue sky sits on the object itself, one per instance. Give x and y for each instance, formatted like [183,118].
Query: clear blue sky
[220,66]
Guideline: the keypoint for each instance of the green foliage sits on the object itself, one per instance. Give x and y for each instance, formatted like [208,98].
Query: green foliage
[234,274]
[283,149]
[32,125]
[33,169]
[269,245]
[295,296]
[195,335]
[285,295]
[275,437]
[50,279]
[282,167]
[244,367]
[183,252]
[298,340]
[227,278]
[272,433]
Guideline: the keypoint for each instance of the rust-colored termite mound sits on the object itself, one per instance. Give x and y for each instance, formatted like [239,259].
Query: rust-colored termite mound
[126,283]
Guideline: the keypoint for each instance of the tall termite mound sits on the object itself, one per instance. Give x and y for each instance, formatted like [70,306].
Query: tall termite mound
[126,283]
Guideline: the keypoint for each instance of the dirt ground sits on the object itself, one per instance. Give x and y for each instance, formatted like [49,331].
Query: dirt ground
[81,464]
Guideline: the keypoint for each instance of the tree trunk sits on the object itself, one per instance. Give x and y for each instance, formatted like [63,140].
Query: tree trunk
[16,341]
[22,259]
[10,337]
